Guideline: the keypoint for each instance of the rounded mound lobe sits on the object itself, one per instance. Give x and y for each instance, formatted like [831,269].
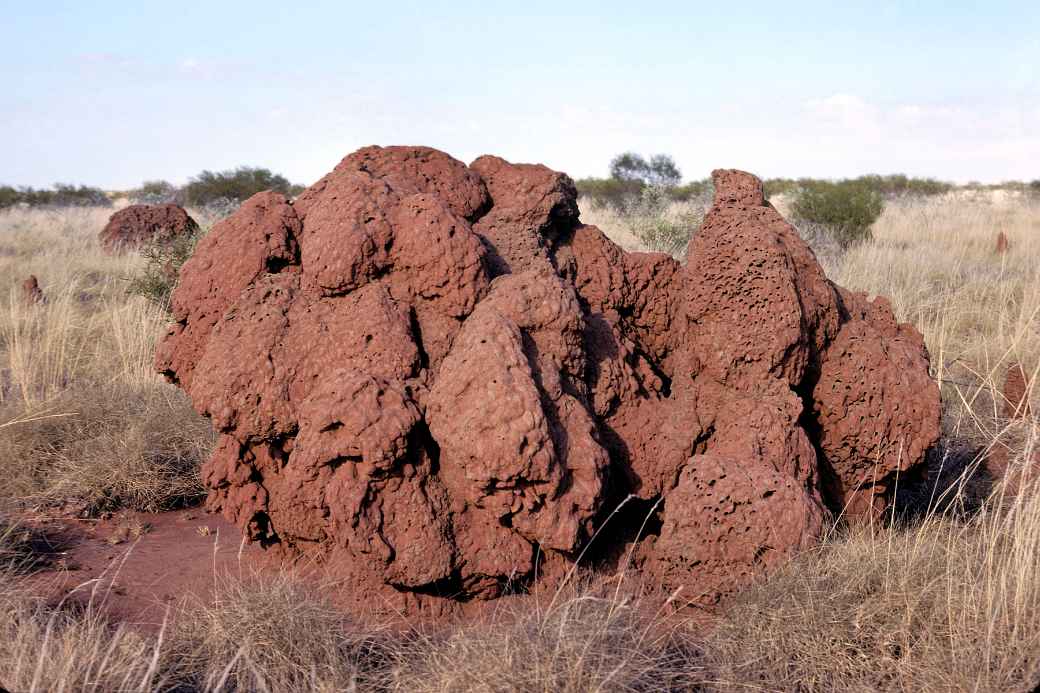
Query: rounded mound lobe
[435,378]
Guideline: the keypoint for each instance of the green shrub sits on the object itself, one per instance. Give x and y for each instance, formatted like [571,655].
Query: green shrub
[847,207]
[163,261]
[153,192]
[778,186]
[891,185]
[702,189]
[235,186]
[622,194]
[1034,186]
[610,191]
[8,196]
[62,195]
[897,185]
[659,170]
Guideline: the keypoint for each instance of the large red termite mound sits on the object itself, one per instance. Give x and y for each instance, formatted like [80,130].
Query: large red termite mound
[437,378]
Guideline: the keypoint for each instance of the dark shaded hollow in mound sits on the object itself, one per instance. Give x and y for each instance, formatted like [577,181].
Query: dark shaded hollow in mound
[438,379]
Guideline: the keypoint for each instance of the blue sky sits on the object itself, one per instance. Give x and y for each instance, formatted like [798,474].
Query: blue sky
[111,94]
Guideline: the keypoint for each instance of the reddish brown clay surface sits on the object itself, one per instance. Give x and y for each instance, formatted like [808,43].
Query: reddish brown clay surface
[136,565]
[437,379]
[138,225]
[1016,393]
[31,291]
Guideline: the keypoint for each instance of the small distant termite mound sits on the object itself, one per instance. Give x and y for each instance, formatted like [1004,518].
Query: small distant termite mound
[1016,393]
[140,225]
[32,294]
[1002,243]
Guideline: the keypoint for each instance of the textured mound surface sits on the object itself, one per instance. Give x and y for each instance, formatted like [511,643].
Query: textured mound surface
[136,225]
[435,377]
[1016,393]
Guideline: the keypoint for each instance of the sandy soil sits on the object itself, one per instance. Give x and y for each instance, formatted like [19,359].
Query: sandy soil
[140,563]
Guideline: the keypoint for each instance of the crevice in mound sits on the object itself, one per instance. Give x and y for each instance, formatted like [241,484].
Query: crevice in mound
[449,587]
[261,529]
[274,265]
[629,521]
[417,335]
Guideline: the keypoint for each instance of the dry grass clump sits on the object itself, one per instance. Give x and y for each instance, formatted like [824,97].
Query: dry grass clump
[979,310]
[104,448]
[272,634]
[70,647]
[611,222]
[587,642]
[276,633]
[83,417]
[651,223]
[940,606]
[17,543]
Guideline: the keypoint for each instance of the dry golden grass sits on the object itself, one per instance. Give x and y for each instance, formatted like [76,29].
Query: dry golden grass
[582,640]
[947,598]
[83,417]
[276,633]
[940,606]
[979,310]
[71,649]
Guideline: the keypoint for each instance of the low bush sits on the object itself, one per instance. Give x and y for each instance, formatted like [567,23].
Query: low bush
[897,185]
[9,196]
[610,191]
[236,185]
[847,207]
[623,194]
[162,263]
[156,192]
[888,186]
[276,633]
[782,186]
[62,195]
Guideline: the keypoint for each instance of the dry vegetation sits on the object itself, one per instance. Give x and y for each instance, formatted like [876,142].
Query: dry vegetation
[943,596]
[84,421]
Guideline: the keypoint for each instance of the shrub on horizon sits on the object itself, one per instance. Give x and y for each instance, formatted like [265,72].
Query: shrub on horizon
[235,186]
[660,170]
[610,191]
[847,207]
[61,195]
[156,192]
